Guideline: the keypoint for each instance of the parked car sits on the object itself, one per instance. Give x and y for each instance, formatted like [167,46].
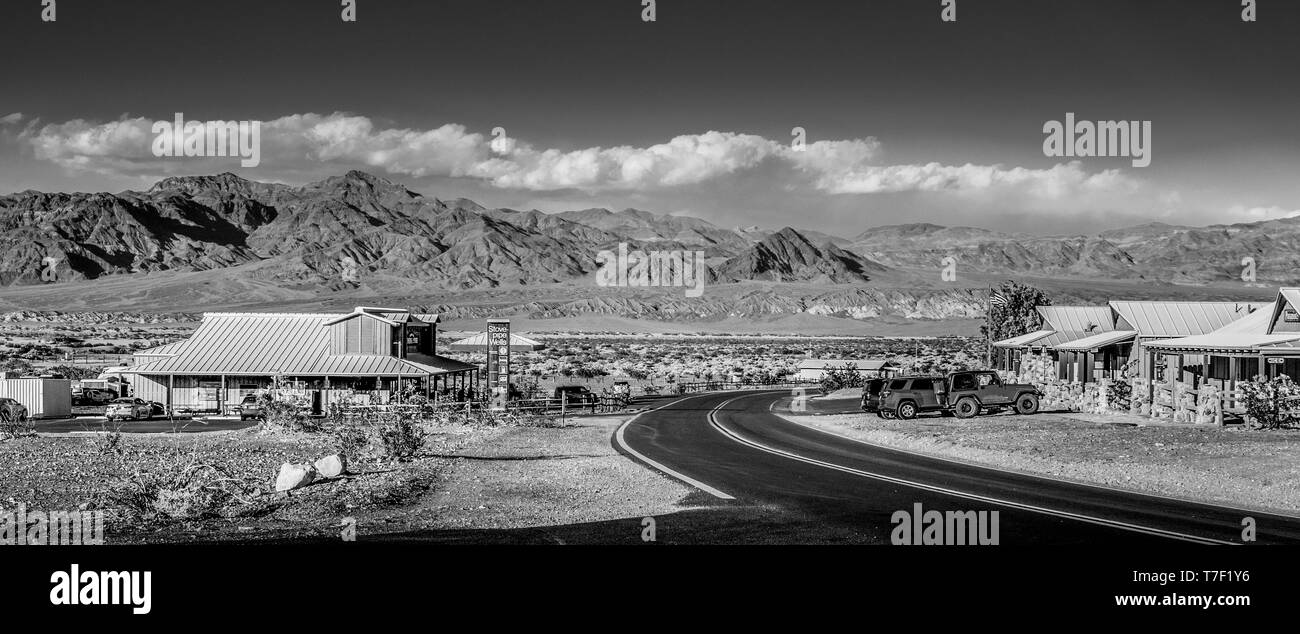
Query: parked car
[969,393]
[871,394]
[250,408]
[576,395]
[12,411]
[156,408]
[91,396]
[128,408]
[962,394]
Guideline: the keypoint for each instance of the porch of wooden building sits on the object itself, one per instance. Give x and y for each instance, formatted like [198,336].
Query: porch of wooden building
[1223,369]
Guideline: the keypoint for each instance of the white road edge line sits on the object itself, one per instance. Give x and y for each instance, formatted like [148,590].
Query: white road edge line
[1091,485]
[618,437]
[971,496]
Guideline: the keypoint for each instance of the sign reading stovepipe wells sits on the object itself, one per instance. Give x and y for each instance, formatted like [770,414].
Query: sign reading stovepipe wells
[498,361]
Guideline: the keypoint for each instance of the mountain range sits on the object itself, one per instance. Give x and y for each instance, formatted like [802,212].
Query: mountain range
[358,233]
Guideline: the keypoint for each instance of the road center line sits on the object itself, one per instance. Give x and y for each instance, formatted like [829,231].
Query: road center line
[622,442]
[937,489]
[1027,474]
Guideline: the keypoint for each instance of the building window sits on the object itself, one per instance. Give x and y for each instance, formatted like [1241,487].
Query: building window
[414,337]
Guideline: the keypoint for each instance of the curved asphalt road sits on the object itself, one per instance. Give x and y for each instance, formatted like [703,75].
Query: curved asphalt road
[733,447]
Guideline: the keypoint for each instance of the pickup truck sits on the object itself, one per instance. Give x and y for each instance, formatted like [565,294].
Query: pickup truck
[576,395]
[963,394]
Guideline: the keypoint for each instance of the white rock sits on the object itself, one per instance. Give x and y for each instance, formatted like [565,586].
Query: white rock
[332,466]
[294,476]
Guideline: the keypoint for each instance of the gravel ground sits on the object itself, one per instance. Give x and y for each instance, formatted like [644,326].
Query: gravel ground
[540,477]
[1238,467]
[68,473]
[466,484]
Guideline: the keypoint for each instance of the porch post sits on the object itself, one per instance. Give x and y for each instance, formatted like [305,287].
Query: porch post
[1151,374]
[1174,377]
[1232,380]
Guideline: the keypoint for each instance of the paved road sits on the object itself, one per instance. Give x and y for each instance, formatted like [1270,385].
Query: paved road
[733,447]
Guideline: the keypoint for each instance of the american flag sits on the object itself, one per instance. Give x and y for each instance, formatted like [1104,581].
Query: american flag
[998,299]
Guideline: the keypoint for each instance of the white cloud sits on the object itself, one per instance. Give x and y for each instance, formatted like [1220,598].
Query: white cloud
[1055,182]
[1242,213]
[8,119]
[304,143]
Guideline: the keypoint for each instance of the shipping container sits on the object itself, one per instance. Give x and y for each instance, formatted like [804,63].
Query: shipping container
[44,398]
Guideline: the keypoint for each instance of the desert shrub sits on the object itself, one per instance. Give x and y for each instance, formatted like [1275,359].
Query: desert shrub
[107,443]
[17,366]
[348,438]
[841,378]
[400,437]
[177,488]
[286,414]
[15,427]
[1119,394]
[1272,403]
[75,372]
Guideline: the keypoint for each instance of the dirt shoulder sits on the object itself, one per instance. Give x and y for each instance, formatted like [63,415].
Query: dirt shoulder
[1236,467]
[467,484]
[530,477]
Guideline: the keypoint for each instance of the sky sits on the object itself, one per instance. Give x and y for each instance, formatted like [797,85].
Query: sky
[561,104]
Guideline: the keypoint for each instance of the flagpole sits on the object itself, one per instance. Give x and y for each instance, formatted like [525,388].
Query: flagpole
[988,334]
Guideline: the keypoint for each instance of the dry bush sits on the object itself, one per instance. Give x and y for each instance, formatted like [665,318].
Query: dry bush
[178,488]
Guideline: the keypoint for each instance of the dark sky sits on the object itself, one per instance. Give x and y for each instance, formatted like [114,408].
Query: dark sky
[568,76]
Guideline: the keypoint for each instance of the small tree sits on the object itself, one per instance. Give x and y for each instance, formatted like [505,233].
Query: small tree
[1119,391]
[1018,315]
[840,378]
[1271,403]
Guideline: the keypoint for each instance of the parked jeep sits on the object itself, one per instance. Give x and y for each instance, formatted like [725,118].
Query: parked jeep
[962,394]
[969,393]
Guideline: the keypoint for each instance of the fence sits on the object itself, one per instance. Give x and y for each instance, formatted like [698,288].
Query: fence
[717,386]
[1205,404]
[528,408]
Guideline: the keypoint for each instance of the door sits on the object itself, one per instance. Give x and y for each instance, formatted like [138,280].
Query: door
[209,395]
[991,389]
[926,398]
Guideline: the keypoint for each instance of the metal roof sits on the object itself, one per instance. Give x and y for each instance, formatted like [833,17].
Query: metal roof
[1078,318]
[1229,342]
[1060,337]
[281,343]
[1099,340]
[1180,319]
[1022,340]
[478,342]
[1286,298]
[438,364]
[1256,323]
[858,364]
[391,316]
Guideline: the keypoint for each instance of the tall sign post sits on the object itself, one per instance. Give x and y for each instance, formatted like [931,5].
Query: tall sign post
[498,361]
